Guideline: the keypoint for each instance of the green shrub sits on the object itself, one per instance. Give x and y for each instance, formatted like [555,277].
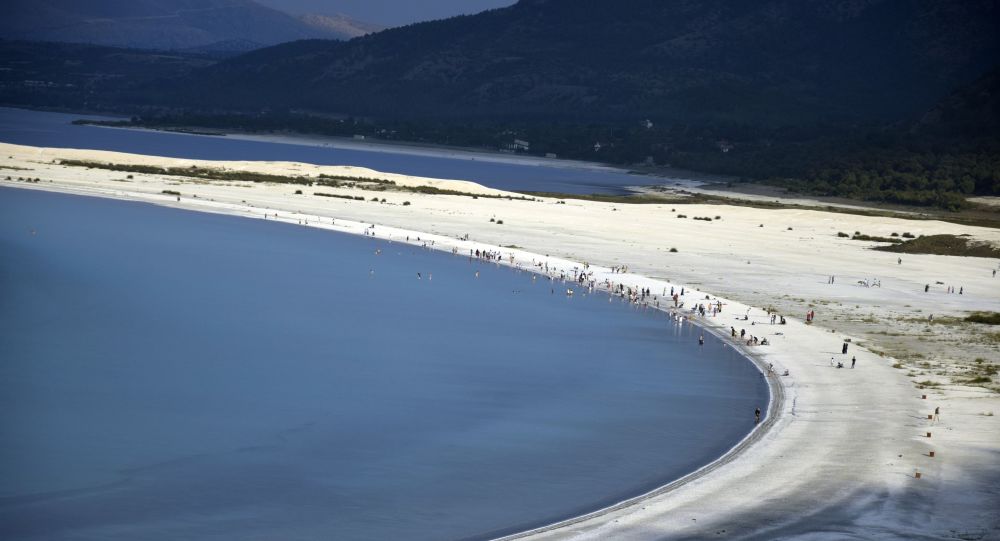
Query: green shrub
[988,318]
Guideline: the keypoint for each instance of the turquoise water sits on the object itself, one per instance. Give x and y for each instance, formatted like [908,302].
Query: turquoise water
[167,374]
[44,129]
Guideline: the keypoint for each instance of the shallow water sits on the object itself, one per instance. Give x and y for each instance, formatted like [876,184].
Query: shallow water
[167,374]
[45,129]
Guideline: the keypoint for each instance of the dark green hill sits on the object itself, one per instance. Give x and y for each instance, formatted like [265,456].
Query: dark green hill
[773,62]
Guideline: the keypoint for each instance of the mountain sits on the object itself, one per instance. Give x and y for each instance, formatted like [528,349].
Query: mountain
[885,100]
[759,62]
[158,24]
[388,13]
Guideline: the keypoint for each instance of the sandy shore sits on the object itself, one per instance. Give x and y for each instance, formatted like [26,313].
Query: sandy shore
[838,457]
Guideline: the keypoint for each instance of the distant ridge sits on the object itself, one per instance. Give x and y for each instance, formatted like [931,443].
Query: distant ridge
[164,24]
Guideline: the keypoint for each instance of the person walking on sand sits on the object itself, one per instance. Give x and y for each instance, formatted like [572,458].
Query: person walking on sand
[937,413]
[853,360]
[927,288]
[756,416]
[844,349]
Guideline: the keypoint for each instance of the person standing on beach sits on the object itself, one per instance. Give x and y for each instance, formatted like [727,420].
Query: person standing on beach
[927,288]
[756,416]
[844,349]
[937,413]
[853,360]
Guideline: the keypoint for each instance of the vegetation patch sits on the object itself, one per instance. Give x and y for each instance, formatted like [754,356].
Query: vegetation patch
[943,245]
[989,318]
[873,238]
[340,196]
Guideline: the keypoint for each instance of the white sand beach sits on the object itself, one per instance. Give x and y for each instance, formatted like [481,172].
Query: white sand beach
[838,455]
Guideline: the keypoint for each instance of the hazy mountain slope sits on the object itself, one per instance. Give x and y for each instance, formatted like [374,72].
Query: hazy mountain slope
[154,24]
[340,25]
[773,61]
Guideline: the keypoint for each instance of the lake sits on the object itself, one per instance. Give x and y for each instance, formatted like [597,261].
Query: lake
[505,172]
[167,374]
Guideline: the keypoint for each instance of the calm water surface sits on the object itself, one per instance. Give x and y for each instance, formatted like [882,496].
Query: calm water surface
[44,129]
[167,374]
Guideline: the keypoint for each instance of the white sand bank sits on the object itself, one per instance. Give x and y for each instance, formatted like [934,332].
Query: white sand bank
[840,459]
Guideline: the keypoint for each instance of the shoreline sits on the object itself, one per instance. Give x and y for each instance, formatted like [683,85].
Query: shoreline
[399,147]
[841,456]
[774,410]
[776,395]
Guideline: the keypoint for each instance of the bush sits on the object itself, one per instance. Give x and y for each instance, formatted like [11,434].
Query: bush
[841,234]
[908,235]
[298,192]
[989,318]
[673,250]
[682,215]
[499,222]
[406,203]
[171,192]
